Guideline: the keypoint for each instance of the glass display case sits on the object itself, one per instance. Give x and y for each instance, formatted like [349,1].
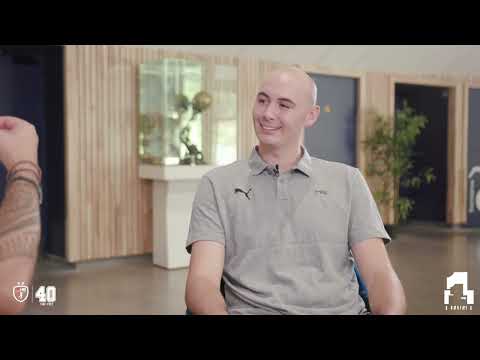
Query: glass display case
[188,113]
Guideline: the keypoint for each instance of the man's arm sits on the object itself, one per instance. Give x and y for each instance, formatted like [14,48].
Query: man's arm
[20,209]
[19,240]
[385,292]
[202,295]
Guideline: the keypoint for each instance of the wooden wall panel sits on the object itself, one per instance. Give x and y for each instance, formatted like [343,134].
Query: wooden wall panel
[108,206]
[377,99]
[457,157]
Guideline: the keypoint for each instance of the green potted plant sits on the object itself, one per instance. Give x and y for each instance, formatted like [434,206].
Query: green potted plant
[390,150]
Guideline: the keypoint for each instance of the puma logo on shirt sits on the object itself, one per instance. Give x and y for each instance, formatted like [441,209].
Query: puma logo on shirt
[237,190]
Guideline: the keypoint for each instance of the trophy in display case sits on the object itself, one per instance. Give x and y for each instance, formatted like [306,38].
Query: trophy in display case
[170,130]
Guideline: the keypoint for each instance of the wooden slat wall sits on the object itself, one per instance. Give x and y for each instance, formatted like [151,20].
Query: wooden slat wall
[108,207]
[362,123]
[378,98]
[457,158]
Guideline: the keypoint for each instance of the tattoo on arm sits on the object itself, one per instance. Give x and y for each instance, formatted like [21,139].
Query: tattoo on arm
[19,221]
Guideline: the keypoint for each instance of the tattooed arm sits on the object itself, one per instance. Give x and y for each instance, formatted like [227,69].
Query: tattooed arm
[19,239]
[19,212]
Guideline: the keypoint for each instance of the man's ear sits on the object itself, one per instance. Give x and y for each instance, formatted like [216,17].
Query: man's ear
[313,116]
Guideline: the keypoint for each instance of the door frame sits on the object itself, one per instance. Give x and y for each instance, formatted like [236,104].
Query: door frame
[455,210]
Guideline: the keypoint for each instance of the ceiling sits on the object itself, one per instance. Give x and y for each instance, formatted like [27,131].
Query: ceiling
[462,60]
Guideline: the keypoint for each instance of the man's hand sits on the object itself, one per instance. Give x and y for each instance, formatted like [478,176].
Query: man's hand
[18,141]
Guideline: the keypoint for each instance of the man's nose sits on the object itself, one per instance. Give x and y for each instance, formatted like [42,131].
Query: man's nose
[270,111]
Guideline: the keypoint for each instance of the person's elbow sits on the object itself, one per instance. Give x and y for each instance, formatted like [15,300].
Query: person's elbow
[388,296]
[397,306]
[191,293]
[188,296]
[194,289]
[203,297]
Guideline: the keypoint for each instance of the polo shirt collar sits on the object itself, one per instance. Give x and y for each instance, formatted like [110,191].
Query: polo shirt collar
[258,165]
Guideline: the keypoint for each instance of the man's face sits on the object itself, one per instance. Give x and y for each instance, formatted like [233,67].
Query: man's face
[283,108]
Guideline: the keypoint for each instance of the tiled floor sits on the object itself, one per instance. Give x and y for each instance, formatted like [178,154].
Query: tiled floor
[130,286]
[423,255]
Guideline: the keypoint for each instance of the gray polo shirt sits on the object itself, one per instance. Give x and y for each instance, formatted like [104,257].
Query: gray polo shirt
[287,236]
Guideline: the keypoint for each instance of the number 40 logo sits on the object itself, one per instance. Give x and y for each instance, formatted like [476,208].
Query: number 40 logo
[46,295]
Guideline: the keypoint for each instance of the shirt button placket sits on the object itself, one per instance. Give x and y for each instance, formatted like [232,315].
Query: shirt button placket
[282,189]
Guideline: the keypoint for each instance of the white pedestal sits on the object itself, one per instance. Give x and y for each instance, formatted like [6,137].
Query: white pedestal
[174,189]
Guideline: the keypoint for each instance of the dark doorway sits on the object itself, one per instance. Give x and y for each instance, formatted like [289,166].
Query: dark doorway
[333,137]
[430,149]
[32,89]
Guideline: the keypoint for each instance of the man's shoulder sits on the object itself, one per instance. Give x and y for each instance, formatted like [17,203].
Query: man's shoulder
[333,169]
[228,173]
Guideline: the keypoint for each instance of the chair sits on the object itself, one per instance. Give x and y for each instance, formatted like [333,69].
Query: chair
[362,288]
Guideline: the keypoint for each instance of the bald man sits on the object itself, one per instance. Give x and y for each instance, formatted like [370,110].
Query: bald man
[274,234]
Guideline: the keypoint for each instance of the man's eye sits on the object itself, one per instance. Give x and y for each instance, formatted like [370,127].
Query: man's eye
[284,106]
[261,101]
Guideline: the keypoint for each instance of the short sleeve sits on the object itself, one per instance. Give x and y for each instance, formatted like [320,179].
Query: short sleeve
[205,222]
[365,220]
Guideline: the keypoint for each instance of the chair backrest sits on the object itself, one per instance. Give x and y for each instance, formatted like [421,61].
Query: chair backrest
[362,288]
